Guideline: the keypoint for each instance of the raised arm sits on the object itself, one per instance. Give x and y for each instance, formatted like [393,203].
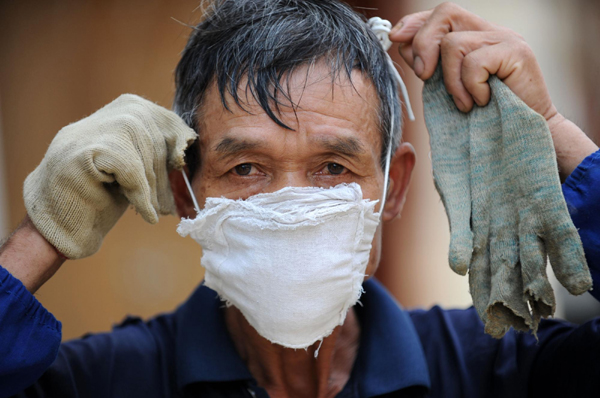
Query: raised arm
[93,170]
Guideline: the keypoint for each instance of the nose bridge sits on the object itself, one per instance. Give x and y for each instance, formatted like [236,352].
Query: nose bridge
[291,163]
[296,177]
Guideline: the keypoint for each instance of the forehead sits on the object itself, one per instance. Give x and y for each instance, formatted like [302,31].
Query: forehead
[320,106]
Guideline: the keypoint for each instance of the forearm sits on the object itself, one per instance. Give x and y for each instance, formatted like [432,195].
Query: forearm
[29,257]
[570,143]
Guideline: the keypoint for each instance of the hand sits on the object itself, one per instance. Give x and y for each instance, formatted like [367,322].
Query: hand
[472,49]
[96,167]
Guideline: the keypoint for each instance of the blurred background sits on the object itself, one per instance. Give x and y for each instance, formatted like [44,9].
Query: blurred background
[62,60]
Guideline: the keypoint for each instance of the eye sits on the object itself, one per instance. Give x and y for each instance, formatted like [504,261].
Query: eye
[243,169]
[335,168]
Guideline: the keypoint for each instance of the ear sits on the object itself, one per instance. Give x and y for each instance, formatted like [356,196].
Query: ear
[401,168]
[183,201]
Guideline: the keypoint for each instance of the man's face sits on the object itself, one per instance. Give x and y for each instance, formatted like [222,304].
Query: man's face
[336,140]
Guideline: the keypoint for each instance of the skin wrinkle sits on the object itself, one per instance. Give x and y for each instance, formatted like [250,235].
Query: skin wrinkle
[348,146]
[230,147]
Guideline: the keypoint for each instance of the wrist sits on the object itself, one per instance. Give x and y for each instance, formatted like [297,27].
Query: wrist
[571,144]
[29,257]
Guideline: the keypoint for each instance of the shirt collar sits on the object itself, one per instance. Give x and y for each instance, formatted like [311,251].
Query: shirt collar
[390,355]
[204,351]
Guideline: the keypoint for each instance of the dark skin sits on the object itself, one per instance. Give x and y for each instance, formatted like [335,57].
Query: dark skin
[472,49]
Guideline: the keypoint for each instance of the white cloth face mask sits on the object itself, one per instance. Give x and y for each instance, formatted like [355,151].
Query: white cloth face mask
[293,261]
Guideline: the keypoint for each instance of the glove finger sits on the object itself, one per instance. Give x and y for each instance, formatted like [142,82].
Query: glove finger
[172,130]
[162,145]
[450,159]
[480,277]
[458,211]
[536,288]
[176,136]
[129,171]
[506,306]
[567,257]
[151,143]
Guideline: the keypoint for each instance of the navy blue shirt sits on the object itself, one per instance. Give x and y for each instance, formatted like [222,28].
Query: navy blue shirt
[188,353]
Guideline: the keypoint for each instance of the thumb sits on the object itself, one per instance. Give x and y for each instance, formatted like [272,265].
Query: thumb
[130,174]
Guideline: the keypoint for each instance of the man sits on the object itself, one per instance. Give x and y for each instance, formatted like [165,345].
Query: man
[282,94]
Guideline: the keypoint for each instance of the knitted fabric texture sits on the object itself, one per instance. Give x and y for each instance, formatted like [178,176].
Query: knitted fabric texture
[96,167]
[495,170]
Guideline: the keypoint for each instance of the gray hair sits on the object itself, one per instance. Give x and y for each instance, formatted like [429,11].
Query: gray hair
[264,41]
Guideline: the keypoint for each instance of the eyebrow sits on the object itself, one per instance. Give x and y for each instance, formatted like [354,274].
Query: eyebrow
[348,146]
[230,146]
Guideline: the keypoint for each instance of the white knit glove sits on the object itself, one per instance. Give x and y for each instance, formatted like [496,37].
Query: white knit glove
[96,167]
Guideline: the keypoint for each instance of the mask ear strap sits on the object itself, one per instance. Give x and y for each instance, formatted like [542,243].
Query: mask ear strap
[382,28]
[386,175]
[189,187]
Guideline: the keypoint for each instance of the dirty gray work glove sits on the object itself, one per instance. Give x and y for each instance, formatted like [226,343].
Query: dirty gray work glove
[517,210]
[96,167]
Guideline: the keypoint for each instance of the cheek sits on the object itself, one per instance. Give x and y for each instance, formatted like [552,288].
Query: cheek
[201,189]
[375,256]
[206,187]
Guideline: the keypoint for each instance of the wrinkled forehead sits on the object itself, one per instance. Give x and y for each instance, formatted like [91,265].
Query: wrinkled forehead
[309,94]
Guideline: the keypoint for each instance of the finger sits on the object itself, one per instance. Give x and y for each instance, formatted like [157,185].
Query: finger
[178,136]
[162,138]
[171,129]
[478,65]
[480,277]
[445,18]
[507,306]
[536,288]
[177,139]
[450,158]
[406,53]
[134,174]
[408,26]
[567,257]
[140,191]
[132,183]
[454,47]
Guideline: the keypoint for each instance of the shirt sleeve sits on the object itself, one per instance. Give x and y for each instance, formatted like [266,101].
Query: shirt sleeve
[582,194]
[135,359]
[29,336]
[561,361]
